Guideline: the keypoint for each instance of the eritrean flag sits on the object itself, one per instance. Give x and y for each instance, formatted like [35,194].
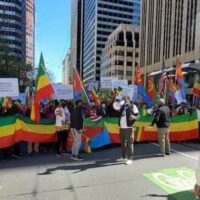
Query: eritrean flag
[151,90]
[180,79]
[196,88]
[43,89]
[138,81]
[79,90]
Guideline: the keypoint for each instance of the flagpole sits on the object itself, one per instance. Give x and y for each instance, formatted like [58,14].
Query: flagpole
[82,86]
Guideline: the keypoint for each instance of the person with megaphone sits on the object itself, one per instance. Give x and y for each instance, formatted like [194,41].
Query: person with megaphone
[128,115]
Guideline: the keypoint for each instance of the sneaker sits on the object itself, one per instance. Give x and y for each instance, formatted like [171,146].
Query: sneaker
[59,155]
[78,158]
[65,154]
[72,157]
[167,154]
[16,156]
[129,162]
[122,159]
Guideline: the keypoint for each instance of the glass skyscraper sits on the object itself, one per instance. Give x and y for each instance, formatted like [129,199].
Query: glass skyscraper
[17,26]
[101,17]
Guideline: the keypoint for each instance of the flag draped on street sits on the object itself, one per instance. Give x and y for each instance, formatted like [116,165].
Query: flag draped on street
[196,88]
[141,90]
[79,90]
[151,90]
[43,89]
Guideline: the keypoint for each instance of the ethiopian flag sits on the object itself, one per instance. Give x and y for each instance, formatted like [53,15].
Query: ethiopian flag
[196,88]
[43,89]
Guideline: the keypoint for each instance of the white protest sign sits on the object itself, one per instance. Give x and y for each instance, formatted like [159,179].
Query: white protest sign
[119,83]
[198,114]
[126,91]
[179,97]
[135,92]
[93,85]
[107,82]
[9,87]
[63,91]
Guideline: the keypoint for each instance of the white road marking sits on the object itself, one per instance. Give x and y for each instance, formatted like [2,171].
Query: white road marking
[178,152]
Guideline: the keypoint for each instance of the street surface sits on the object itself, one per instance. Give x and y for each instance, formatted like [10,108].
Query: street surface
[99,177]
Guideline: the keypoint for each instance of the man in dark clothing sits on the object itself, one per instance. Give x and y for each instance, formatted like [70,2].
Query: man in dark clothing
[128,115]
[77,129]
[162,121]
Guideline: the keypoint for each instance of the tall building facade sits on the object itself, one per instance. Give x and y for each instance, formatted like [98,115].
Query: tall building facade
[76,34]
[121,53]
[101,17]
[67,73]
[30,32]
[169,28]
[11,28]
[17,29]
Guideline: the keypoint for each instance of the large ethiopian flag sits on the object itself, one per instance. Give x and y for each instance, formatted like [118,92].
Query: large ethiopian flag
[43,89]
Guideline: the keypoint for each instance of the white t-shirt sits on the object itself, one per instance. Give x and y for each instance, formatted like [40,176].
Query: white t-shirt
[60,118]
[123,121]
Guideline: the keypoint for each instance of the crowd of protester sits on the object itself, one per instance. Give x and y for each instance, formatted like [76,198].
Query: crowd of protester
[105,109]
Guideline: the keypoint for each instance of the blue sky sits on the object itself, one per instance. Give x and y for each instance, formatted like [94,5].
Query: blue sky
[53,20]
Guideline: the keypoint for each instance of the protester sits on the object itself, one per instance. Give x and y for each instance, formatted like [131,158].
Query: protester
[162,121]
[33,148]
[128,115]
[62,127]
[184,108]
[77,129]
[197,185]
[110,111]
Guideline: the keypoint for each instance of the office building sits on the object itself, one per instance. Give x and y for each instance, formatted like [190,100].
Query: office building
[101,17]
[76,34]
[67,74]
[30,32]
[17,29]
[11,28]
[121,53]
[169,28]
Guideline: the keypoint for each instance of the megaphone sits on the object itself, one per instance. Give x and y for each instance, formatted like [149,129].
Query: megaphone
[118,104]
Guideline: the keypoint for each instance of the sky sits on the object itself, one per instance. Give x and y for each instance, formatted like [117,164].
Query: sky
[53,21]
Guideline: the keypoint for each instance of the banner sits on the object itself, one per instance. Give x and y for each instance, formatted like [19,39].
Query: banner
[9,87]
[63,92]
[93,85]
[119,83]
[97,134]
[107,82]
[135,93]
[126,91]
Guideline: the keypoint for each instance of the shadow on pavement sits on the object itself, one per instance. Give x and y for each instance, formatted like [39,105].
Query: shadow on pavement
[185,195]
[102,157]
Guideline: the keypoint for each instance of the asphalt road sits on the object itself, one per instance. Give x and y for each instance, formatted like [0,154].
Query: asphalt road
[99,177]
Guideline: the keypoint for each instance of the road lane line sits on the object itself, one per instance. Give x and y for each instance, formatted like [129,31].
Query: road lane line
[178,152]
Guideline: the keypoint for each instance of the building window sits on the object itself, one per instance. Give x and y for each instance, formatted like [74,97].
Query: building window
[129,64]
[130,54]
